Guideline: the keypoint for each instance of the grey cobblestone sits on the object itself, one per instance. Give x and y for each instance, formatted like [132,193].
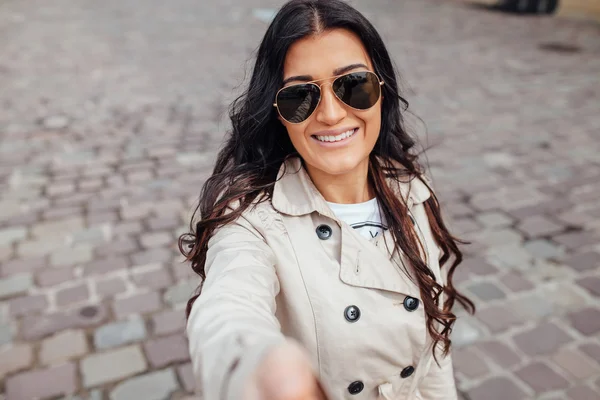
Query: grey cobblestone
[120,333]
[112,365]
[6,334]
[63,346]
[156,385]
[11,235]
[15,285]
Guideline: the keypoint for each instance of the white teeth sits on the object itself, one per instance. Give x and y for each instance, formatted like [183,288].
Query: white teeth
[337,138]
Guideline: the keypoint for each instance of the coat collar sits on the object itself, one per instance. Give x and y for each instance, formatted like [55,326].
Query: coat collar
[295,194]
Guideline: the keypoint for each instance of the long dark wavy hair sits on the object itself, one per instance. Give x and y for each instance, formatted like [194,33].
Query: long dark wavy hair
[248,164]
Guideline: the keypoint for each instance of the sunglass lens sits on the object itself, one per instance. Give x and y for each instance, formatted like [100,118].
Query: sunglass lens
[359,90]
[296,103]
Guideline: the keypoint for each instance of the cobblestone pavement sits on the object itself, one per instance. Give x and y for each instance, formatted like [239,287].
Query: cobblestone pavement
[110,114]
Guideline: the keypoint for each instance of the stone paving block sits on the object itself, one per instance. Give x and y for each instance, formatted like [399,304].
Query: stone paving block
[137,304]
[469,363]
[592,350]
[591,284]
[43,384]
[156,385]
[104,265]
[494,219]
[575,364]
[173,321]
[499,318]
[62,212]
[516,282]
[157,255]
[127,228]
[60,189]
[40,247]
[75,294]
[102,217]
[93,235]
[57,228]
[110,287]
[63,346]
[478,266]
[90,184]
[40,326]
[186,377]
[463,226]
[134,212]
[113,365]
[164,223]
[544,338]
[180,293]
[15,358]
[586,321]
[510,256]
[497,388]
[582,392]
[152,277]
[78,254]
[533,306]
[500,353]
[486,291]
[27,304]
[166,350]
[575,240]
[120,333]
[54,276]
[541,378]
[15,285]
[21,265]
[122,245]
[585,261]
[6,253]
[542,248]
[11,235]
[499,237]
[564,295]
[6,334]
[538,226]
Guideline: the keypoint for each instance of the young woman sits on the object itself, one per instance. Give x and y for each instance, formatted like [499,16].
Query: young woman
[320,243]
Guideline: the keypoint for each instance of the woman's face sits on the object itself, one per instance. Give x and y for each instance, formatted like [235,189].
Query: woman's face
[321,57]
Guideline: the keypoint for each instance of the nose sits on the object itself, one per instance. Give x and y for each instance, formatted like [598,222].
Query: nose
[330,110]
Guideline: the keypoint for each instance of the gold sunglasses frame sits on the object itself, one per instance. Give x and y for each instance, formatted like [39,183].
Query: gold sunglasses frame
[333,78]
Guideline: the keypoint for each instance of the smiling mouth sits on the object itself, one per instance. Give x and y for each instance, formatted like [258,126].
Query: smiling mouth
[337,138]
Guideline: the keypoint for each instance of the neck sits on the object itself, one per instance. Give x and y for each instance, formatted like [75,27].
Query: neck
[349,188]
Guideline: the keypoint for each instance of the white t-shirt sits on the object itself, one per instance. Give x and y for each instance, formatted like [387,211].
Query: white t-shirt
[365,217]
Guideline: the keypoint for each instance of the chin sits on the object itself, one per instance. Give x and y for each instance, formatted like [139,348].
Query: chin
[342,164]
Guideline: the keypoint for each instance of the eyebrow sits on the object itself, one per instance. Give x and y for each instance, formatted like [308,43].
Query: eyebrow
[337,71]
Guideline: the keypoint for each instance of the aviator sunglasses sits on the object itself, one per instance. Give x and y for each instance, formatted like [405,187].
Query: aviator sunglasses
[358,90]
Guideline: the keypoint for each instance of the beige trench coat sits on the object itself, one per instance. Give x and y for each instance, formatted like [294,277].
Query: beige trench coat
[290,268]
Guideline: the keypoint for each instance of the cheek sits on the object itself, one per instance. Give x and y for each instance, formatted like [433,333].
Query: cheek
[372,121]
[296,133]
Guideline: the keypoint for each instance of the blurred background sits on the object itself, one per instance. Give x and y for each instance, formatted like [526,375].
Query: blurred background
[110,116]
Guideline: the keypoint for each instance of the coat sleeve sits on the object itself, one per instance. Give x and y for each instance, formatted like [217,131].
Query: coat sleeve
[439,383]
[232,323]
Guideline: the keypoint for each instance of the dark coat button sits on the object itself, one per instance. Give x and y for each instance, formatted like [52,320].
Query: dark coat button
[356,387]
[352,313]
[408,371]
[324,232]
[410,303]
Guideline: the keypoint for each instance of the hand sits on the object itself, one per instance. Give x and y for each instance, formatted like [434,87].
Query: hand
[284,374]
